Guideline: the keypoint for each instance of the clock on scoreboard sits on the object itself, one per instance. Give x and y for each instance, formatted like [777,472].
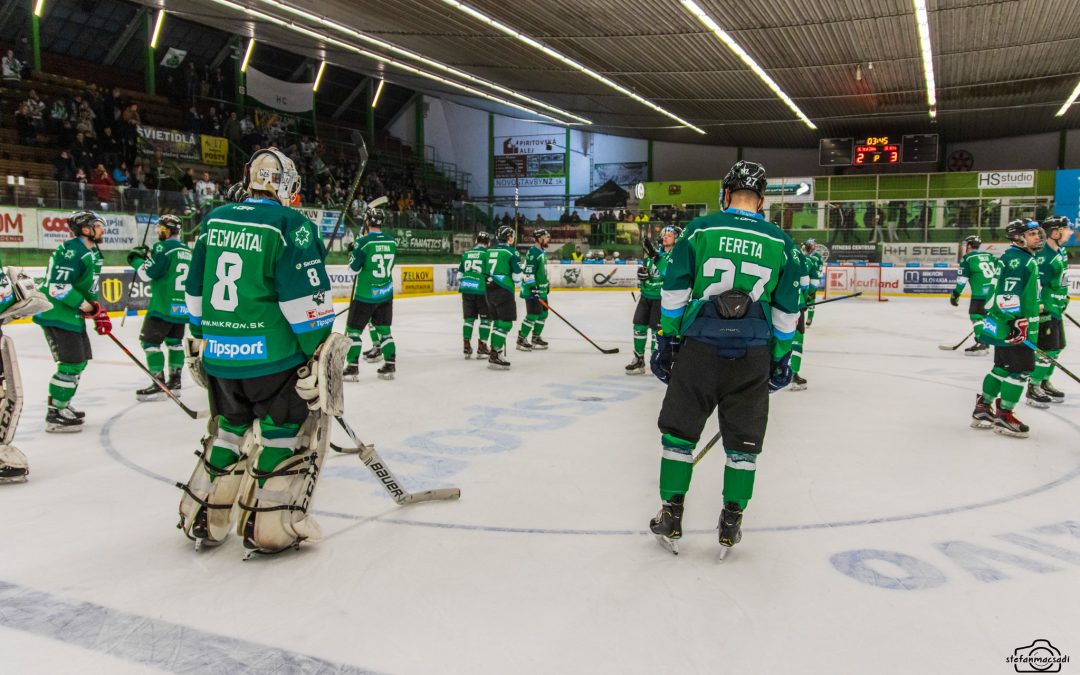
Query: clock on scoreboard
[880,149]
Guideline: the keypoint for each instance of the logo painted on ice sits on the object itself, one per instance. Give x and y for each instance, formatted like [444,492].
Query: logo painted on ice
[236,348]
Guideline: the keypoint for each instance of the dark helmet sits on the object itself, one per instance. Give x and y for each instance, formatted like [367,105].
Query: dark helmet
[746,176]
[1055,223]
[1015,230]
[236,193]
[972,241]
[84,220]
[540,232]
[809,245]
[169,222]
[505,234]
[483,238]
[374,218]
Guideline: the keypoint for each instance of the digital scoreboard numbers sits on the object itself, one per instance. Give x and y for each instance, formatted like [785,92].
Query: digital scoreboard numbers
[881,149]
[876,150]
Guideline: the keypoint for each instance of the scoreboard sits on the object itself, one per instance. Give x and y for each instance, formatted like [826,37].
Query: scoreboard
[881,149]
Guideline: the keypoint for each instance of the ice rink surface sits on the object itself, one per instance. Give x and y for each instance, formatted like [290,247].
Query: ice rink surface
[885,535]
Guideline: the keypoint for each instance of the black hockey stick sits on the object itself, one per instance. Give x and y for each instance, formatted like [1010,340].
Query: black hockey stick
[1075,322]
[614,350]
[371,460]
[953,348]
[193,414]
[134,275]
[633,296]
[1051,359]
[362,151]
[842,297]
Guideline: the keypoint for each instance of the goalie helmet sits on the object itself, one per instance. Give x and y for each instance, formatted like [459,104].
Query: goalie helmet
[505,234]
[746,176]
[483,238]
[272,171]
[82,223]
[168,226]
[972,241]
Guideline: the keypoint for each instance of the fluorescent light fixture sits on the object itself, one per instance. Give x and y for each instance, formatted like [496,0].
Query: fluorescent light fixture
[38,6]
[157,28]
[1069,101]
[922,21]
[724,37]
[352,32]
[325,39]
[247,55]
[497,25]
[378,93]
[318,76]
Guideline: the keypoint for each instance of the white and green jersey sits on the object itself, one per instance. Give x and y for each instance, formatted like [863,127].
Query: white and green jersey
[814,264]
[1053,280]
[733,249]
[72,278]
[166,270]
[373,261]
[651,287]
[980,269]
[503,266]
[257,293]
[471,267]
[534,274]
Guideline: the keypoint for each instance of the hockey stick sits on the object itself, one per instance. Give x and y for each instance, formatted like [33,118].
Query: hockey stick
[842,297]
[371,460]
[134,275]
[708,447]
[633,296]
[362,151]
[947,348]
[1051,359]
[1075,322]
[193,414]
[614,350]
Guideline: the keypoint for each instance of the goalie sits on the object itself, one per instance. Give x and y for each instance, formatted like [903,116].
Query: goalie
[18,299]
[258,297]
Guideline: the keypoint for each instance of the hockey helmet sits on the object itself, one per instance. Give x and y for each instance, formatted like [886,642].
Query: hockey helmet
[168,226]
[505,234]
[674,229]
[82,224]
[972,241]
[746,176]
[1055,223]
[809,245]
[272,171]
[374,218]
[1016,229]
[540,232]
[483,238]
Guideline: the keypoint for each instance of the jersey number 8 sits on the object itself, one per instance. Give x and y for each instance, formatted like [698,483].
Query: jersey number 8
[223,296]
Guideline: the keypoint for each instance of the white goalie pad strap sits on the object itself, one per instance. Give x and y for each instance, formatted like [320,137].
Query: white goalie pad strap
[11,402]
[28,299]
[193,360]
[12,458]
[217,496]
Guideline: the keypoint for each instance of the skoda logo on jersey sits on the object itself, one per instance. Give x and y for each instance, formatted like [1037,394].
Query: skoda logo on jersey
[236,348]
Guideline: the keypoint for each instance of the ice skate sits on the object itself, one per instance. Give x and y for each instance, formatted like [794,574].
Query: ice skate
[497,362]
[977,349]
[1006,423]
[1055,394]
[539,343]
[149,393]
[351,373]
[174,384]
[481,349]
[983,415]
[468,350]
[730,527]
[797,383]
[62,421]
[13,465]
[77,413]
[1036,397]
[523,344]
[373,355]
[637,366]
[388,369]
[667,524]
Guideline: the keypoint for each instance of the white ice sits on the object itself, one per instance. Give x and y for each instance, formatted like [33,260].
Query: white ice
[884,536]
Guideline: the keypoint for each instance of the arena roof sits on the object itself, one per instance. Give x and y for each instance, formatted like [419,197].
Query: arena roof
[854,67]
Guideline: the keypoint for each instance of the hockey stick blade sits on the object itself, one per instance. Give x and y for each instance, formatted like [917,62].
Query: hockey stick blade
[953,348]
[438,494]
[842,297]
[614,350]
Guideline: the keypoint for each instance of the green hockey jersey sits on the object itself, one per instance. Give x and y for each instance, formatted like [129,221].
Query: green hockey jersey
[503,266]
[733,249]
[805,263]
[1015,296]
[534,274]
[1053,280]
[71,279]
[978,268]
[166,270]
[373,261]
[471,268]
[814,265]
[258,293]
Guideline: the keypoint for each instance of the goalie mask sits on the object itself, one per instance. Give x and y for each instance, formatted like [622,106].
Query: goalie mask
[271,171]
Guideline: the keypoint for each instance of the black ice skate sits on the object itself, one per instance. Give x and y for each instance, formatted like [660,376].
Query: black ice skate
[468,350]
[62,421]
[1036,397]
[174,382]
[667,524]
[13,474]
[983,415]
[1006,423]
[637,366]
[730,527]
[1055,394]
[388,369]
[539,343]
[77,413]
[977,349]
[351,373]
[373,355]
[497,362]
[149,393]
[481,349]
[523,344]
[797,383]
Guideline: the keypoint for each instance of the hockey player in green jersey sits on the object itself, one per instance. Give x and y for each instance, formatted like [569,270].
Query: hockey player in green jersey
[815,264]
[1053,266]
[651,278]
[1012,316]
[798,382]
[71,283]
[729,308]
[258,297]
[503,270]
[473,288]
[534,288]
[978,268]
[165,268]
[372,259]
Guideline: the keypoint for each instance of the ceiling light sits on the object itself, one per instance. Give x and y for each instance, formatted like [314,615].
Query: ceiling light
[318,76]
[438,65]
[378,93]
[324,39]
[38,6]
[1069,101]
[247,55]
[564,59]
[746,58]
[157,28]
[922,21]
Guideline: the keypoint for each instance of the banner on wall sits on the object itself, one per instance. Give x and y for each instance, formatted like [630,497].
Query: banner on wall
[938,280]
[215,150]
[417,279]
[924,253]
[324,219]
[120,230]
[529,161]
[18,228]
[420,241]
[1001,180]
[1067,198]
[850,253]
[294,97]
[183,146]
[625,174]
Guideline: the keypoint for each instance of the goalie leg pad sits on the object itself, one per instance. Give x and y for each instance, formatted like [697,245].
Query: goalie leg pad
[11,392]
[206,509]
[276,504]
[13,465]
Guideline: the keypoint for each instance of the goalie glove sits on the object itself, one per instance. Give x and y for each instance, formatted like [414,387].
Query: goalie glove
[193,360]
[28,299]
[319,381]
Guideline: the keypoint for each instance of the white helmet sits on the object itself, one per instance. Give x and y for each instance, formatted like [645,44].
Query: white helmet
[270,170]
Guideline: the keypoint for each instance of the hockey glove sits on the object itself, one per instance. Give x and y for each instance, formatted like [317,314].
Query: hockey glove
[102,322]
[642,274]
[350,246]
[534,292]
[663,359]
[954,299]
[780,373]
[1018,332]
[139,253]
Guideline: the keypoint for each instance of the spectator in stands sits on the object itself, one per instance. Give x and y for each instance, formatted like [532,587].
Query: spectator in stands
[872,221]
[212,122]
[112,104]
[102,183]
[121,176]
[58,113]
[205,191]
[109,147]
[80,189]
[65,167]
[82,151]
[139,178]
[231,129]
[193,120]
[594,218]
[25,57]
[188,198]
[564,217]
[187,181]
[36,107]
[575,218]
[129,131]
[24,125]
[85,124]
[12,69]
[217,84]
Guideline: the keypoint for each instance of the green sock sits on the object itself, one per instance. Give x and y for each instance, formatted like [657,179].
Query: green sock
[176,354]
[739,472]
[386,343]
[64,382]
[279,444]
[641,335]
[992,384]
[676,466]
[485,330]
[467,328]
[538,324]
[357,337]
[526,326]
[1011,391]
[226,448]
[796,352]
[373,333]
[155,359]
[498,334]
